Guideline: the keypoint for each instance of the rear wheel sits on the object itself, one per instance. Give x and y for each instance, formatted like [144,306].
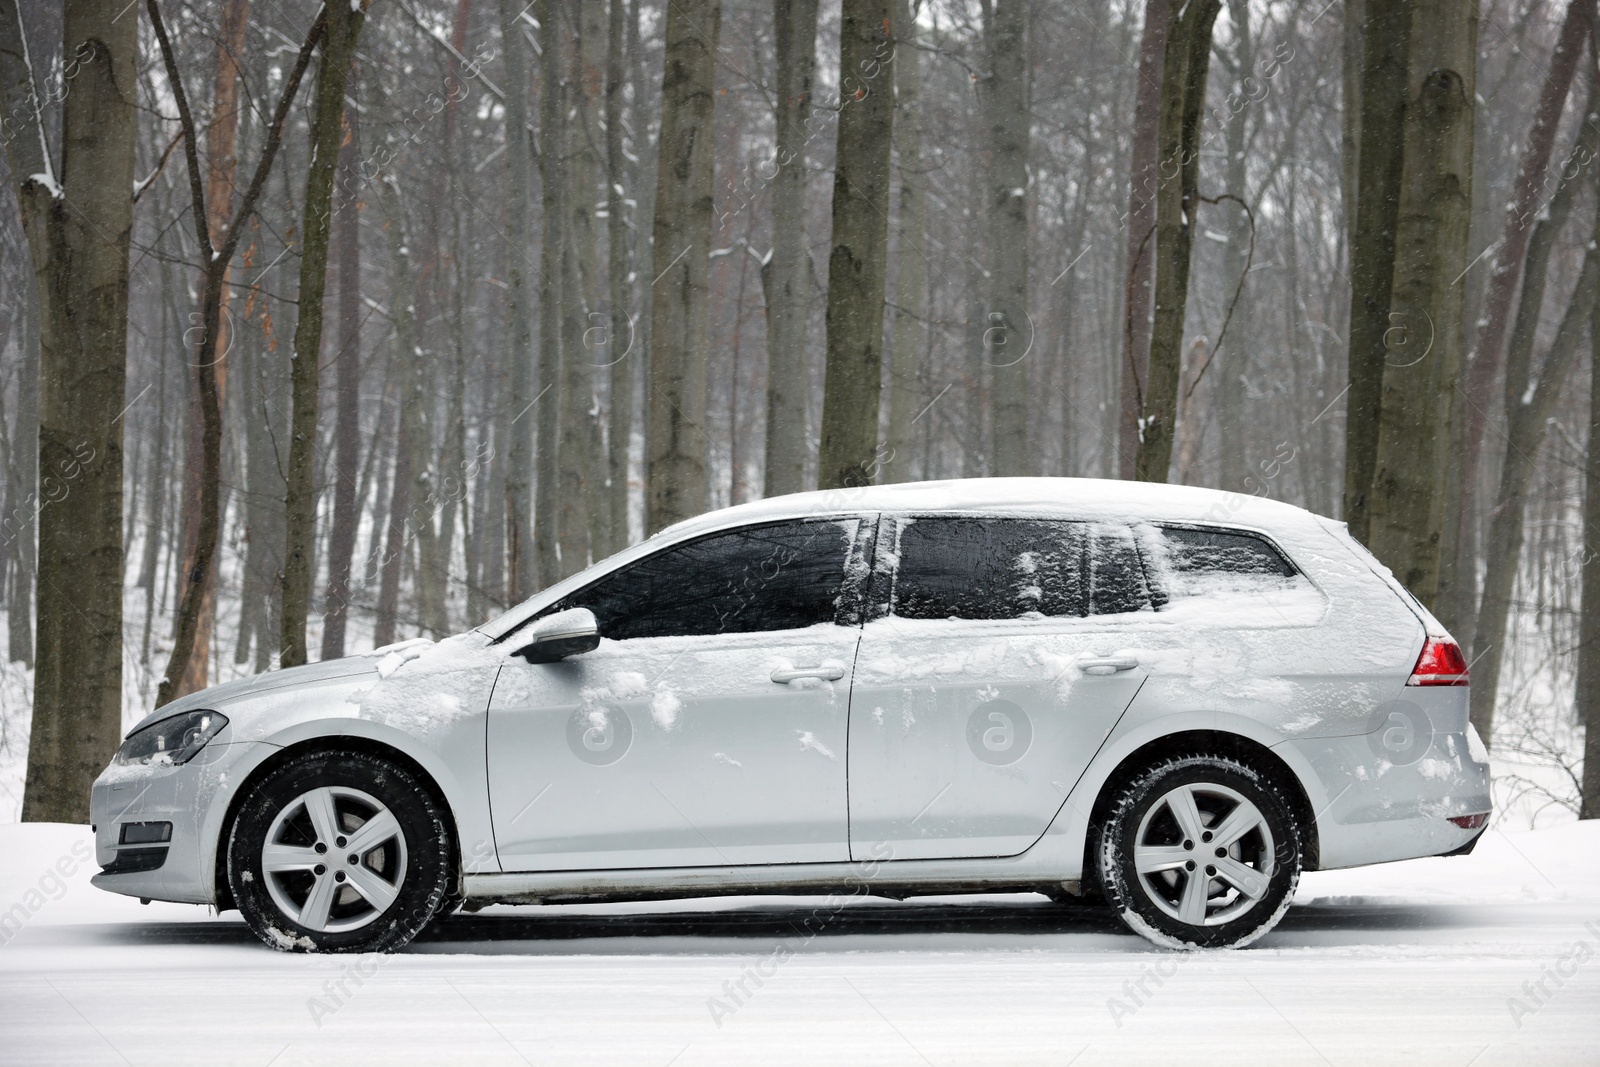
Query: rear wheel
[1199,851]
[339,852]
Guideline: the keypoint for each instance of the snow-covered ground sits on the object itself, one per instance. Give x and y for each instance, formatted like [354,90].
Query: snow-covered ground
[1487,959]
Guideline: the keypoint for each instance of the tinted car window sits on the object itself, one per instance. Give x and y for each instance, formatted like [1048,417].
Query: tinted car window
[1116,574]
[777,577]
[968,568]
[1199,562]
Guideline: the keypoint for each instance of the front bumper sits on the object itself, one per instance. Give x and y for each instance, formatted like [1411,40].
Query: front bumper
[193,797]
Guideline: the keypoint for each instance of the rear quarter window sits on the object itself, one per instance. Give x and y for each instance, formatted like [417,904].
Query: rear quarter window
[1188,562]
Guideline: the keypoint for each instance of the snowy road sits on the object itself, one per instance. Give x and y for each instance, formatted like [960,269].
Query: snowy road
[1429,962]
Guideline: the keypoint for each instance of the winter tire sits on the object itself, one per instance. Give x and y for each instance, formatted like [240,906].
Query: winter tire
[339,852]
[1199,851]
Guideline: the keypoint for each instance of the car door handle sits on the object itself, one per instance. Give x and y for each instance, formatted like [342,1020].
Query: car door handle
[1107,664]
[789,674]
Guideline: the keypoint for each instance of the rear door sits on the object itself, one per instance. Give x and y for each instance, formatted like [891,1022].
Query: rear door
[709,727]
[986,680]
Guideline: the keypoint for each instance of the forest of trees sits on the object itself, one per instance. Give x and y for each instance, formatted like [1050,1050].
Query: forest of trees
[323,327]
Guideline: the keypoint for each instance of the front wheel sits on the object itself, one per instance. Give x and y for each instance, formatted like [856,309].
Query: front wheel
[339,852]
[1199,851]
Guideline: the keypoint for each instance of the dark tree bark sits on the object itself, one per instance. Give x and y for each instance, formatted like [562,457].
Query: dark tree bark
[1487,355]
[621,350]
[221,162]
[522,573]
[344,24]
[911,267]
[1008,332]
[858,265]
[403,526]
[23,499]
[347,432]
[216,252]
[581,520]
[1588,683]
[1528,411]
[677,487]
[78,222]
[1385,49]
[1234,359]
[552,292]
[786,277]
[1139,231]
[1406,504]
[1183,93]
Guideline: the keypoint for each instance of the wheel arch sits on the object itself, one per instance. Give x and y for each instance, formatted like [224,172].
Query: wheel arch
[371,746]
[1219,738]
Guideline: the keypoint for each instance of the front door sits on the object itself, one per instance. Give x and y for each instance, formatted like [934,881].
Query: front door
[990,679]
[709,727]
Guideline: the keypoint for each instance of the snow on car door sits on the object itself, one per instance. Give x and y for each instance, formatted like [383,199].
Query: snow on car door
[986,681]
[708,728]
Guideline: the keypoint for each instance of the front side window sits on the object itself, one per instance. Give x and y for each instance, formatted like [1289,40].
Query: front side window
[983,568]
[781,576]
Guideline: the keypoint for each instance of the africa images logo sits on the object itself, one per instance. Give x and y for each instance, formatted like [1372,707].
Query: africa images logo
[1400,732]
[999,732]
[599,735]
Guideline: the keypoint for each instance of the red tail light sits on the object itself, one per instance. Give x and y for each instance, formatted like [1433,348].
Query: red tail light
[1441,663]
[1470,822]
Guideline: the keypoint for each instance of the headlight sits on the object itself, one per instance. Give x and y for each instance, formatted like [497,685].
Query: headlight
[171,741]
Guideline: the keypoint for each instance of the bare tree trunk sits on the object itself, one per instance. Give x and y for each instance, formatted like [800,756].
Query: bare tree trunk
[677,487]
[858,265]
[221,164]
[79,255]
[217,244]
[1140,267]
[402,524]
[1354,33]
[1183,92]
[1386,45]
[552,292]
[621,348]
[1406,503]
[581,521]
[344,29]
[1230,376]
[347,433]
[1528,407]
[1009,331]
[1487,355]
[1588,683]
[787,273]
[522,571]
[911,269]
[23,502]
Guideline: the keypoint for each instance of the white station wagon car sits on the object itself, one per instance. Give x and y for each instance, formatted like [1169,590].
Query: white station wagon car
[1170,698]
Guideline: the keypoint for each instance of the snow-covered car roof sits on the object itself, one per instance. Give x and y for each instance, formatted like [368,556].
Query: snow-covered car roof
[1088,498]
[1094,499]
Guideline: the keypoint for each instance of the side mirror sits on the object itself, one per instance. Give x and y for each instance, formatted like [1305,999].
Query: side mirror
[566,633]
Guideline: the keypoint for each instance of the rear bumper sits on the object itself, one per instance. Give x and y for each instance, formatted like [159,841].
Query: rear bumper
[1374,809]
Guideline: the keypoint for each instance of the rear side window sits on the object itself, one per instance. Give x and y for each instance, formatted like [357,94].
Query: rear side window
[982,568]
[779,577]
[1194,561]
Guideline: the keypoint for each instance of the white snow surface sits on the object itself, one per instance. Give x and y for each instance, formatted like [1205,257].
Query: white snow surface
[1427,962]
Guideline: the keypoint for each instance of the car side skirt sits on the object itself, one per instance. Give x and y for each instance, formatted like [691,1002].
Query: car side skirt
[897,880]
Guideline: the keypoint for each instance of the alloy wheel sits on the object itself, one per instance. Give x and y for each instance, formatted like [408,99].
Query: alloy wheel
[1203,854]
[334,859]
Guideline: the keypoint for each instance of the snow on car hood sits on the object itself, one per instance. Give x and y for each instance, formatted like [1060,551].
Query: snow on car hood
[218,697]
[412,658]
